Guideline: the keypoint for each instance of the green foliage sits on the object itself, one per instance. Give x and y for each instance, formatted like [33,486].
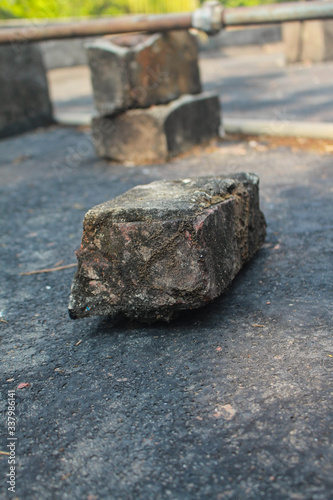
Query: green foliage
[74,8]
[61,8]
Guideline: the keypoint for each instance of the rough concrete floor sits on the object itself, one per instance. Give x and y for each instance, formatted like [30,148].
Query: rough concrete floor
[253,82]
[232,401]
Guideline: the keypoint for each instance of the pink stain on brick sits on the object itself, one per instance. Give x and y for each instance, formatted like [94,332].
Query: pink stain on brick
[201,219]
[188,236]
[126,231]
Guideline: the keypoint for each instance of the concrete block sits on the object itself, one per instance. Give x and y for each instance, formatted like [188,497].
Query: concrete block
[24,96]
[65,53]
[166,246]
[139,70]
[317,41]
[159,132]
[260,35]
[308,41]
[291,35]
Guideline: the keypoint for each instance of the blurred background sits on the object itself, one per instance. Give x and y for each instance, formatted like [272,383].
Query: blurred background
[13,9]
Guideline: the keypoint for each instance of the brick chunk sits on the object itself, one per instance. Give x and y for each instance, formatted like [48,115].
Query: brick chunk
[160,132]
[166,246]
[140,70]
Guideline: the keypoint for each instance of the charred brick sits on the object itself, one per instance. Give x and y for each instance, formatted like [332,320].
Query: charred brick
[166,246]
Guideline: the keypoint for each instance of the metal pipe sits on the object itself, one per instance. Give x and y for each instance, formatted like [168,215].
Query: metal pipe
[210,17]
[97,27]
[235,126]
[245,126]
[277,13]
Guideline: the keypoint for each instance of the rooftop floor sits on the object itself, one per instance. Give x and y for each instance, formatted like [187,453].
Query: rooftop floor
[231,401]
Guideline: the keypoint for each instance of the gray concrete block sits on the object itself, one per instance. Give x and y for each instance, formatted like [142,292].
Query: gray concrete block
[238,37]
[65,53]
[159,132]
[291,35]
[24,96]
[166,246]
[308,41]
[139,70]
[317,41]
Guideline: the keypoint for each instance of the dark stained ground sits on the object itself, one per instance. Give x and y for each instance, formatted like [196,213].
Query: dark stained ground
[232,401]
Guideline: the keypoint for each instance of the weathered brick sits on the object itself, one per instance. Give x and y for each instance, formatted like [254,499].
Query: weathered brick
[140,70]
[159,132]
[24,97]
[166,246]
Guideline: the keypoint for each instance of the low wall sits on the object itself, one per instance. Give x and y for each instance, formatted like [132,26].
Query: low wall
[65,53]
[71,52]
[308,41]
[243,36]
[24,96]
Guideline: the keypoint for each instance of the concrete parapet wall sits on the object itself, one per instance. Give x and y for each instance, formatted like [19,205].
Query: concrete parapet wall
[24,96]
[308,41]
[239,37]
[68,53]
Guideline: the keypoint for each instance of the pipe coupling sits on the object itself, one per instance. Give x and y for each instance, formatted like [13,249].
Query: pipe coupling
[208,18]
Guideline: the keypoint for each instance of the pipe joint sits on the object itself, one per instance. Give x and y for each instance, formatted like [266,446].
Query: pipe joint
[208,18]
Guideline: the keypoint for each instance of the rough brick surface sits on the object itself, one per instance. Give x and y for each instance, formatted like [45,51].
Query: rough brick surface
[140,70]
[166,246]
[159,132]
[24,97]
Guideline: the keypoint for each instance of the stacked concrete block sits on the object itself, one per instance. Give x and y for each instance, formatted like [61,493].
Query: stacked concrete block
[143,70]
[154,134]
[147,91]
[308,41]
[24,96]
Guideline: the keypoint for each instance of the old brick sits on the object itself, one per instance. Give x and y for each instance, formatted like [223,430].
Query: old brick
[159,132]
[166,246]
[140,70]
[24,97]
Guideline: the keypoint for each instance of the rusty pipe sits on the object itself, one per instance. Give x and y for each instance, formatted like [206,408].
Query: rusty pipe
[96,27]
[211,17]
